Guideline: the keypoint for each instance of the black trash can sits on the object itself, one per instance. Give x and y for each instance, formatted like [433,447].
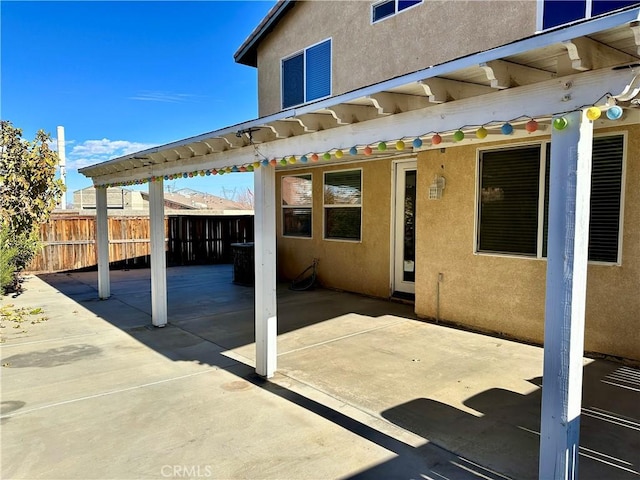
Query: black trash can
[243,263]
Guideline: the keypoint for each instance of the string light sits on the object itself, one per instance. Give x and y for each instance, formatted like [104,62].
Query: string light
[506,129]
[592,113]
[560,123]
[531,126]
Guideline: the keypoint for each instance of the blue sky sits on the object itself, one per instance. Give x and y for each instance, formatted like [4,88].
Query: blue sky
[123,76]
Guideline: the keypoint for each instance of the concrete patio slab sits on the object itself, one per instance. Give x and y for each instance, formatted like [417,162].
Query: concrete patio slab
[363,390]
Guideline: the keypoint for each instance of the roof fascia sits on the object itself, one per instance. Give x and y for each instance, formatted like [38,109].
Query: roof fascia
[540,40]
[247,52]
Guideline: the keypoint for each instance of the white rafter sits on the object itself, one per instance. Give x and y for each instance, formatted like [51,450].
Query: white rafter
[537,100]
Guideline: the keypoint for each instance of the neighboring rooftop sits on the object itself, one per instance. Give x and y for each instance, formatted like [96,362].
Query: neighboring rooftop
[124,199]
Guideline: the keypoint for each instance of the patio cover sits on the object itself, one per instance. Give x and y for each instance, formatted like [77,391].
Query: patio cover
[560,72]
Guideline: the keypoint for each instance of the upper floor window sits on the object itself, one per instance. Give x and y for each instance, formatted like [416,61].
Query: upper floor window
[387,8]
[306,76]
[552,13]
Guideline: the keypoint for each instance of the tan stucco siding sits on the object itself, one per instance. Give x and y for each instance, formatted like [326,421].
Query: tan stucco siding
[352,266]
[364,53]
[504,294]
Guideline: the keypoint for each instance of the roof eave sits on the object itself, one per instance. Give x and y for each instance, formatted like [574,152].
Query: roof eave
[247,53]
[559,34]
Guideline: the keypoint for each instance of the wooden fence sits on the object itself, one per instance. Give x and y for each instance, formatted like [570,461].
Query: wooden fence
[69,241]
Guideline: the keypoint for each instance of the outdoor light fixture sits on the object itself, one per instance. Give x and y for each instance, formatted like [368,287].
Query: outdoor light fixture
[436,188]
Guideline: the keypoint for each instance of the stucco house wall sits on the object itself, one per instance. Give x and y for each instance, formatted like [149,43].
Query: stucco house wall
[494,293]
[362,51]
[346,265]
[505,294]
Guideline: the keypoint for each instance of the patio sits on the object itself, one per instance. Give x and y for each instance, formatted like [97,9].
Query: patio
[363,389]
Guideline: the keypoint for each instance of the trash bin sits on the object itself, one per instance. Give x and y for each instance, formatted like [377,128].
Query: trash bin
[243,263]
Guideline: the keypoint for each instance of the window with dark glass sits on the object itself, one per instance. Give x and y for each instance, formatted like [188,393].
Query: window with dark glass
[306,76]
[510,188]
[297,205]
[510,181]
[387,8]
[343,205]
[561,12]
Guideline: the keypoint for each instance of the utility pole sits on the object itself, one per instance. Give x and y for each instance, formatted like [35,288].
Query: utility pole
[63,165]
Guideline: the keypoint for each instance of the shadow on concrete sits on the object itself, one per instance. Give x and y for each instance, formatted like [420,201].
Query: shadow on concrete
[504,431]
[209,315]
[205,306]
[428,461]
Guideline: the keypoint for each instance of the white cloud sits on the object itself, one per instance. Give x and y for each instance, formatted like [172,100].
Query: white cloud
[91,152]
[160,96]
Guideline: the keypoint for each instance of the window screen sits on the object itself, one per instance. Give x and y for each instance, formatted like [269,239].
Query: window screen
[318,73]
[342,205]
[307,75]
[297,204]
[606,188]
[508,220]
[510,180]
[293,81]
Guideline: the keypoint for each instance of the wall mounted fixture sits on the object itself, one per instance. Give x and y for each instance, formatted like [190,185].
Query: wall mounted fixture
[436,188]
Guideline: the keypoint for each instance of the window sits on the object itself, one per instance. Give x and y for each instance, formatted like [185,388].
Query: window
[306,76]
[512,182]
[553,13]
[343,205]
[297,201]
[387,8]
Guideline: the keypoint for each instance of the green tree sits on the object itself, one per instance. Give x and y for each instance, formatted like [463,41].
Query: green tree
[29,192]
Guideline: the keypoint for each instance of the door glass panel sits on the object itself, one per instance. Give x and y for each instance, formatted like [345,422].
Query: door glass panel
[409,256]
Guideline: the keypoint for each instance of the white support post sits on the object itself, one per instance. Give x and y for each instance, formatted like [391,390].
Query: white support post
[265,271]
[102,243]
[567,256]
[158,255]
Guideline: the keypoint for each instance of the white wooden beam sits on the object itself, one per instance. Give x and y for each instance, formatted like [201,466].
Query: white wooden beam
[157,158]
[543,99]
[440,90]
[234,140]
[201,148]
[217,145]
[392,103]
[265,133]
[266,322]
[288,128]
[586,54]
[315,122]
[497,73]
[566,291]
[158,255]
[436,89]
[347,113]
[184,152]
[102,244]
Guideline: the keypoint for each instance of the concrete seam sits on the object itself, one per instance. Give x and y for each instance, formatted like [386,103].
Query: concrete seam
[342,337]
[104,394]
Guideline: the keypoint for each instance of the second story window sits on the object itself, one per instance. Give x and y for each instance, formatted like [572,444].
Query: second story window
[306,76]
[387,8]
